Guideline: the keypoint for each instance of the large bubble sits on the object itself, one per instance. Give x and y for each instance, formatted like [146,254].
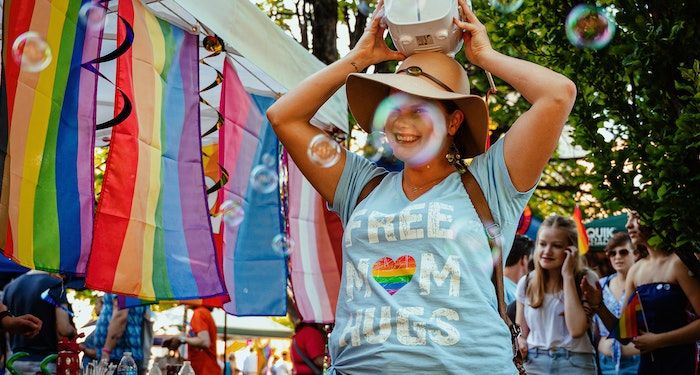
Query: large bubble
[506,6]
[324,151]
[589,26]
[264,179]
[31,52]
[414,127]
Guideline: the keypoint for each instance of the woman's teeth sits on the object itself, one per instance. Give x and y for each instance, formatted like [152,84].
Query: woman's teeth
[406,138]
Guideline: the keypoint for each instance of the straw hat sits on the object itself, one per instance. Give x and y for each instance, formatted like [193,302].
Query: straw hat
[432,75]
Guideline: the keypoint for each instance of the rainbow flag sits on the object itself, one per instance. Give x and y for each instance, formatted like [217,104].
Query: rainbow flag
[47,131]
[627,326]
[316,260]
[256,276]
[581,231]
[152,231]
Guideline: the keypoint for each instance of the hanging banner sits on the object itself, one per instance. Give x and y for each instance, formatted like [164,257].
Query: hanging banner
[315,257]
[255,275]
[47,132]
[152,231]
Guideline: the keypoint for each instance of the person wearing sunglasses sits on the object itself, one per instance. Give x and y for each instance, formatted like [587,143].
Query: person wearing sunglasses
[613,357]
[669,296]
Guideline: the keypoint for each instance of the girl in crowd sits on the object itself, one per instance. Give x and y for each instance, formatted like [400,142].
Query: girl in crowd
[552,315]
[416,294]
[667,292]
[613,357]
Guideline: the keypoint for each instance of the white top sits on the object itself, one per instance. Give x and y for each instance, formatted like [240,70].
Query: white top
[547,325]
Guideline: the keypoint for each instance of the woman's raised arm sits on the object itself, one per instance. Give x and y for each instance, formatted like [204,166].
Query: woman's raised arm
[533,137]
[290,116]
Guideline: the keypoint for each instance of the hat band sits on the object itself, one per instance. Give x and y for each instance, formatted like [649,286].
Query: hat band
[416,71]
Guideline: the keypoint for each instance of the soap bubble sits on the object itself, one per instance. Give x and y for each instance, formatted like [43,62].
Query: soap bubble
[232,212]
[269,160]
[263,179]
[92,15]
[588,26]
[376,147]
[31,52]
[282,245]
[506,6]
[415,128]
[324,151]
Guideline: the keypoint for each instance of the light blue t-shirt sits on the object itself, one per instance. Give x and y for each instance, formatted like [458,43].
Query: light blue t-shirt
[416,294]
[509,288]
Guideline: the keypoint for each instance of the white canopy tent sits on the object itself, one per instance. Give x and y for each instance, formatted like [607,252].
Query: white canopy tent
[268,61]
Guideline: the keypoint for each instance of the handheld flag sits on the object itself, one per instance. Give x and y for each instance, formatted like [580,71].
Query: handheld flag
[581,231]
[627,326]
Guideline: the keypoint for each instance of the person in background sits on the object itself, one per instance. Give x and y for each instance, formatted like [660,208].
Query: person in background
[282,367]
[23,296]
[201,342]
[516,265]
[613,357]
[667,292]
[88,345]
[553,317]
[231,367]
[250,363]
[120,330]
[308,349]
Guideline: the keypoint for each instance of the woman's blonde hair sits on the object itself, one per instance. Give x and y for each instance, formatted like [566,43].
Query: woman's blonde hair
[537,279]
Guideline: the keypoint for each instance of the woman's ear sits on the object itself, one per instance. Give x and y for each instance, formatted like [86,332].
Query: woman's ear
[454,122]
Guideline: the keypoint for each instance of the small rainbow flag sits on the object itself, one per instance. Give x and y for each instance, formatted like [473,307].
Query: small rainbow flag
[581,231]
[152,231]
[47,131]
[627,326]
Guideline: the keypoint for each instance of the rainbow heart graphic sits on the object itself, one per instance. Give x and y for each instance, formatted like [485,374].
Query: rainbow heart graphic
[393,275]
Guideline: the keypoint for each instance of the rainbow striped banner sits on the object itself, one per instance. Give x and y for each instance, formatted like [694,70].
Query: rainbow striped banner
[316,256]
[256,277]
[47,131]
[581,232]
[152,232]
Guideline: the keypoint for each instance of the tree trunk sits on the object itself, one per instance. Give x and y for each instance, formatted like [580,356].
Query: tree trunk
[323,30]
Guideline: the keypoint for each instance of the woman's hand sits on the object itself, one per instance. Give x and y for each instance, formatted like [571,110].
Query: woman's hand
[593,295]
[476,40]
[26,325]
[647,342]
[522,346]
[371,48]
[567,269]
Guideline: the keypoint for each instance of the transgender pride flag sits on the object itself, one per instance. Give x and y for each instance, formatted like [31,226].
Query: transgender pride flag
[152,231]
[256,276]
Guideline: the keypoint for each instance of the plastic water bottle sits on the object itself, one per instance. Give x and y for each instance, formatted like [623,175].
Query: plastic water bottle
[127,365]
[186,369]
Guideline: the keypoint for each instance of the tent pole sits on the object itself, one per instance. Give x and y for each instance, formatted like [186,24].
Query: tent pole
[225,339]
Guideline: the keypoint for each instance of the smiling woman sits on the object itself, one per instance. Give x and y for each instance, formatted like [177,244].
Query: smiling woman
[413,240]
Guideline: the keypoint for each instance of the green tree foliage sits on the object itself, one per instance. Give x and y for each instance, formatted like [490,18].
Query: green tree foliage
[637,110]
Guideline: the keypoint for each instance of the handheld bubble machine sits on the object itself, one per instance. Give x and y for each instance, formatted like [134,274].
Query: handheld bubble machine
[424,25]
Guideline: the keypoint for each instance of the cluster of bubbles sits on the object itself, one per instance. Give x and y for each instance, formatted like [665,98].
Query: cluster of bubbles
[282,245]
[31,52]
[324,151]
[409,126]
[263,177]
[232,212]
[589,26]
[506,6]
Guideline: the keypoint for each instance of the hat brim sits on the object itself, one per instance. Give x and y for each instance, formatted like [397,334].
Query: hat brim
[366,91]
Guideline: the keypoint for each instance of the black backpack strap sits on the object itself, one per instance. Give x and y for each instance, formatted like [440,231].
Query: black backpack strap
[493,233]
[311,364]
